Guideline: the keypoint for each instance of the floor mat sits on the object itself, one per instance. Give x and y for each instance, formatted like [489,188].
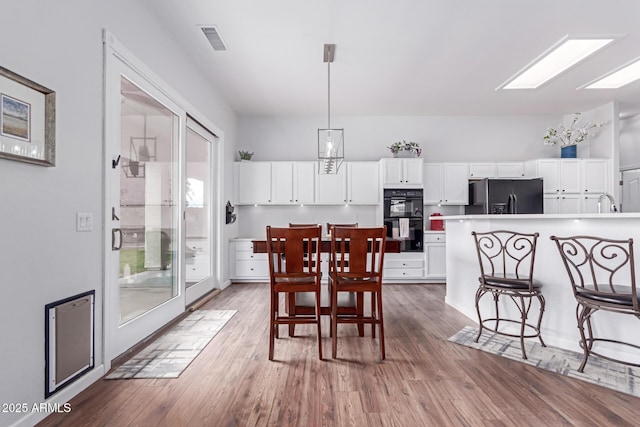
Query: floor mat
[169,355]
[616,376]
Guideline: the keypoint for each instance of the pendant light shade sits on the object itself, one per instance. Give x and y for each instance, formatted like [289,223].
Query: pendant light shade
[330,141]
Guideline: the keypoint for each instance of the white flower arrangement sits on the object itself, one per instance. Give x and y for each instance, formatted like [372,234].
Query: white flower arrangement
[566,136]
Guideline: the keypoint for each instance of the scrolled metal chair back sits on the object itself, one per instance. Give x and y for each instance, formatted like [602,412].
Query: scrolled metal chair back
[605,266]
[506,254]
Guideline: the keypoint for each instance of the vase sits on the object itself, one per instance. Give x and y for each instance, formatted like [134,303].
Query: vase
[406,154]
[569,152]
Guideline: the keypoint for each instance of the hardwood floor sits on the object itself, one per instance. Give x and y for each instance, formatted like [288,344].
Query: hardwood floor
[425,380]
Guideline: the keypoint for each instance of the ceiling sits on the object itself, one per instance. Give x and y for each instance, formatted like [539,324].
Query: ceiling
[402,57]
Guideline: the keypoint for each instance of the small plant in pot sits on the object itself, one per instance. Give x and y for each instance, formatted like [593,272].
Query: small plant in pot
[245,155]
[405,149]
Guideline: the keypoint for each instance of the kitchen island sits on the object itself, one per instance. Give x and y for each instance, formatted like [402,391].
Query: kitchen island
[559,326]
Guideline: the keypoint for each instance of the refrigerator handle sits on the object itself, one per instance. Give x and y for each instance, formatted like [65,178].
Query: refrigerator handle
[515,203]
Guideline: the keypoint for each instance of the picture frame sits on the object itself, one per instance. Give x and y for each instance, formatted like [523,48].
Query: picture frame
[27,120]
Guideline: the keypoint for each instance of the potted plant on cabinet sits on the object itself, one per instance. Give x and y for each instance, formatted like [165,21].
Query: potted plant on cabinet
[405,149]
[569,137]
[245,155]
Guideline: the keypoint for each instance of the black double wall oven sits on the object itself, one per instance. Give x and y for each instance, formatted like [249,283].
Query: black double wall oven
[403,217]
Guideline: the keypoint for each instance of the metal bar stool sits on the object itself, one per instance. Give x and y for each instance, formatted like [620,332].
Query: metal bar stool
[506,261]
[602,276]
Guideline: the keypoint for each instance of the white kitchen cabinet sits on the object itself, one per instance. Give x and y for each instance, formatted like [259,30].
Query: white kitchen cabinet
[559,175]
[594,176]
[245,264]
[253,183]
[562,203]
[590,203]
[331,189]
[281,183]
[363,183]
[435,254]
[402,172]
[510,170]
[446,184]
[482,170]
[403,266]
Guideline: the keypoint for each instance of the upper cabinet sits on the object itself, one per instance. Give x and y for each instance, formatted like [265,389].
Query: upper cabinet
[559,175]
[402,172]
[496,170]
[363,184]
[446,184]
[331,189]
[593,174]
[275,183]
[253,183]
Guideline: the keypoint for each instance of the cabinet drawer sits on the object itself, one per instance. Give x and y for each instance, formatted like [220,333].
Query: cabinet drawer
[252,268]
[434,238]
[403,264]
[402,273]
[247,255]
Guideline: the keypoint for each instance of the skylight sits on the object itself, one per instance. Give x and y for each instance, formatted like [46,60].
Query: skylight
[559,58]
[618,78]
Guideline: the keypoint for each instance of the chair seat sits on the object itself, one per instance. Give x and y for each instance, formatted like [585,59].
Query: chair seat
[622,295]
[509,282]
[307,299]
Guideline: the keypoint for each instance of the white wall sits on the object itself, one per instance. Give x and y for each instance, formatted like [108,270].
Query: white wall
[443,138]
[42,257]
[630,142]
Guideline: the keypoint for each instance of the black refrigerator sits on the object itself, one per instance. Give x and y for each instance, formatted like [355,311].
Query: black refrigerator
[505,196]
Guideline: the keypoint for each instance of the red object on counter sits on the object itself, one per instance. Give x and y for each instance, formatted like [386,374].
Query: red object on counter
[437,224]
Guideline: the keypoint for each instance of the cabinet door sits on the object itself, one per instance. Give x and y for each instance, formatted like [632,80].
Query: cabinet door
[570,176]
[511,170]
[562,204]
[432,182]
[392,171]
[456,184]
[253,183]
[282,183]
[551,203]
[549,171]
[594,175]
[412,171]
[332,189]
[363,184]
[436,254]
[304,189]
[482,170]
[590,203]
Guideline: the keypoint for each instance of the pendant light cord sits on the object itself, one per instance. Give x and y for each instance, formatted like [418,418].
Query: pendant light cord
[329,89]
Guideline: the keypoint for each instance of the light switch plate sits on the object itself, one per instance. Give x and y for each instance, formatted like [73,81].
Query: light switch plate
[84,221]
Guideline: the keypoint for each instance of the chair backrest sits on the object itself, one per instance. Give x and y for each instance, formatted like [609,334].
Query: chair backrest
[290,249]
[331,225]
[599,266]
[363,247]
[506,254]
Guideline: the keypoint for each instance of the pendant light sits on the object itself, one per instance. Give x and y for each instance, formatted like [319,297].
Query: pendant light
[330,141]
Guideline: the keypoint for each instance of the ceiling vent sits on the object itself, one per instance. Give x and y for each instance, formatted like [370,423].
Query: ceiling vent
[213,35]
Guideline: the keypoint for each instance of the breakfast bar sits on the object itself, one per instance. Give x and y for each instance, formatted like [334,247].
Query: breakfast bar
[559,326]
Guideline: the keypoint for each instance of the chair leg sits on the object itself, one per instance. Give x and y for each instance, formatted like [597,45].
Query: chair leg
[291,301]
[380,321]
[583,314]
[523,323]
[542,307]
[373,313]
[334,322]
[272,323]
[479,294]
[318,322]
[360,311]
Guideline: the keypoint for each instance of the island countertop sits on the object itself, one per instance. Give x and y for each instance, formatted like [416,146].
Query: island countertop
[559,325]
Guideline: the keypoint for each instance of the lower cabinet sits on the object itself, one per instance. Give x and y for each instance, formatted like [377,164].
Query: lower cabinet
[435,249]
[245,265]
[403,266]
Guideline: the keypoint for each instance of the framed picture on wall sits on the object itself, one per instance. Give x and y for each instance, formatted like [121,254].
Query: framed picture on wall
[27,120]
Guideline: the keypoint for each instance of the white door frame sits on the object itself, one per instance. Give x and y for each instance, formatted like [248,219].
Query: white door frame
[115,52]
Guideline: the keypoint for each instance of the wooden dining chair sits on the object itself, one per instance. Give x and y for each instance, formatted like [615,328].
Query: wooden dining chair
[303,303]
[294,267]
[364,249]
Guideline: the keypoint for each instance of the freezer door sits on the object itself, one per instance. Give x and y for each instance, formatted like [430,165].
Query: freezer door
[528,196]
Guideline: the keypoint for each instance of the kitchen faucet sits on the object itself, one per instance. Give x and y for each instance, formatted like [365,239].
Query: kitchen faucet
[612,207]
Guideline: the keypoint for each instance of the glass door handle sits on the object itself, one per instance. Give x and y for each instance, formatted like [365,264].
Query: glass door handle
[115,231]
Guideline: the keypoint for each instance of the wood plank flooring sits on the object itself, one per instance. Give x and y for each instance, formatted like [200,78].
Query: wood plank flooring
[425,380]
